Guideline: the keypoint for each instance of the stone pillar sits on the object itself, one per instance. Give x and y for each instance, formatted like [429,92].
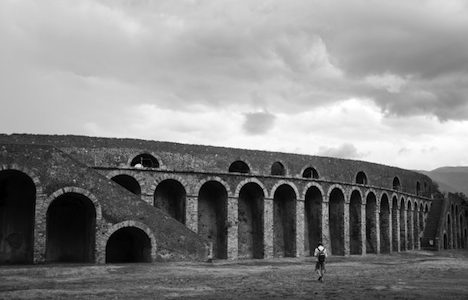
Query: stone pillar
[232,228]
[325,224]
[300,228]
[417,244]
[363,229]
[390,229]
[268,228]
[377,230]
[346,229]
[191,213]
[40,229]
[396,239]
[410,230]
[405,229]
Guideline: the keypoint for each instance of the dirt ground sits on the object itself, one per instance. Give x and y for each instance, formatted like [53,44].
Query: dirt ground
[411,275]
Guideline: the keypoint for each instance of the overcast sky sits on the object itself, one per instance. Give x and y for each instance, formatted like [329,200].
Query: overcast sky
[381,81]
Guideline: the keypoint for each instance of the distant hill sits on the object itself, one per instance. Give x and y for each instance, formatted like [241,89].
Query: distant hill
[450,179]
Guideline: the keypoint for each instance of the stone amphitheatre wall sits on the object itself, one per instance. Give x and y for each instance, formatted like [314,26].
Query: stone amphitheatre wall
[258,204]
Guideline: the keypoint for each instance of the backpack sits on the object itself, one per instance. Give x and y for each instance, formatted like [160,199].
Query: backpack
[321,256]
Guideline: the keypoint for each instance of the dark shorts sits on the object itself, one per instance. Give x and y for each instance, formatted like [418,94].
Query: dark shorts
[320,265]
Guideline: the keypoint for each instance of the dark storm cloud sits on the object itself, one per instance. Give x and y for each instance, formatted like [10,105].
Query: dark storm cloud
[258,123]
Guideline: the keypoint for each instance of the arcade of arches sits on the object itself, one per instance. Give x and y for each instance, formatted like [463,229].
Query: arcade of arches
[256,224]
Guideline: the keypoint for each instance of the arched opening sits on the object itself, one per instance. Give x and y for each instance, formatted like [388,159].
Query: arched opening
[144,160]
[361,178]
[250,217]
[17,206]
[310,173]
[170,196]
[284,222]
[409,227]
[402,225]
[336,221]
[396,184]
[445,241]
[355,225]
[313,219]
[457,228]
[418,188]
[71,229]
[384,218]
[128,182]
[128,245]
[212,216]
[395,225]
[239,167]
[371,223]
[278,169]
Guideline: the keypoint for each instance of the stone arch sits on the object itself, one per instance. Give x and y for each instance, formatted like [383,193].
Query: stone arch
[361,178]
[395,224]
[239,166]
[129,241]
[418,188]
[310,172]
[403,227]
[212,178]
[421,224]
[396,185]
[128,182]
[313,198]
[170,196]
[250,180]
[212,214]
[449,231]
[145,159]
[385,224]
[31,174]
[18,192]
[278,168]
[336,198]
[251,197]
[72,219]
[284,220]
[162,177]
[280,183]
[355,221]
[371,222]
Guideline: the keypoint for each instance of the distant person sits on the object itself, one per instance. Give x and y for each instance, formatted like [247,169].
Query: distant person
[321,254]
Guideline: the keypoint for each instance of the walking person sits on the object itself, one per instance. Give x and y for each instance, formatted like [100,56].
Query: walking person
[321,253]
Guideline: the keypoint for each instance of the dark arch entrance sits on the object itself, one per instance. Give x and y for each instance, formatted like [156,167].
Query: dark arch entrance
[128,182]
[170,196]
[278,169]
[310,173]
[313,219]
[250,214]
[402,225]
[449,231]
[384,225]
[361,178]
[445,241]
[336,221]
[71,229]
[239,167]
[395,223]
[371,224]
[284,221]
[355,238]
[212,216]
[17,206]
[145,160]
[128,245]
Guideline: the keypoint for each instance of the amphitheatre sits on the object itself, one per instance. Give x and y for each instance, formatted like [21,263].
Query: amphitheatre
[107,200]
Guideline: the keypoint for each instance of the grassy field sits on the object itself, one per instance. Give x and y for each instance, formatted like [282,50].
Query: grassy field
[411,275]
